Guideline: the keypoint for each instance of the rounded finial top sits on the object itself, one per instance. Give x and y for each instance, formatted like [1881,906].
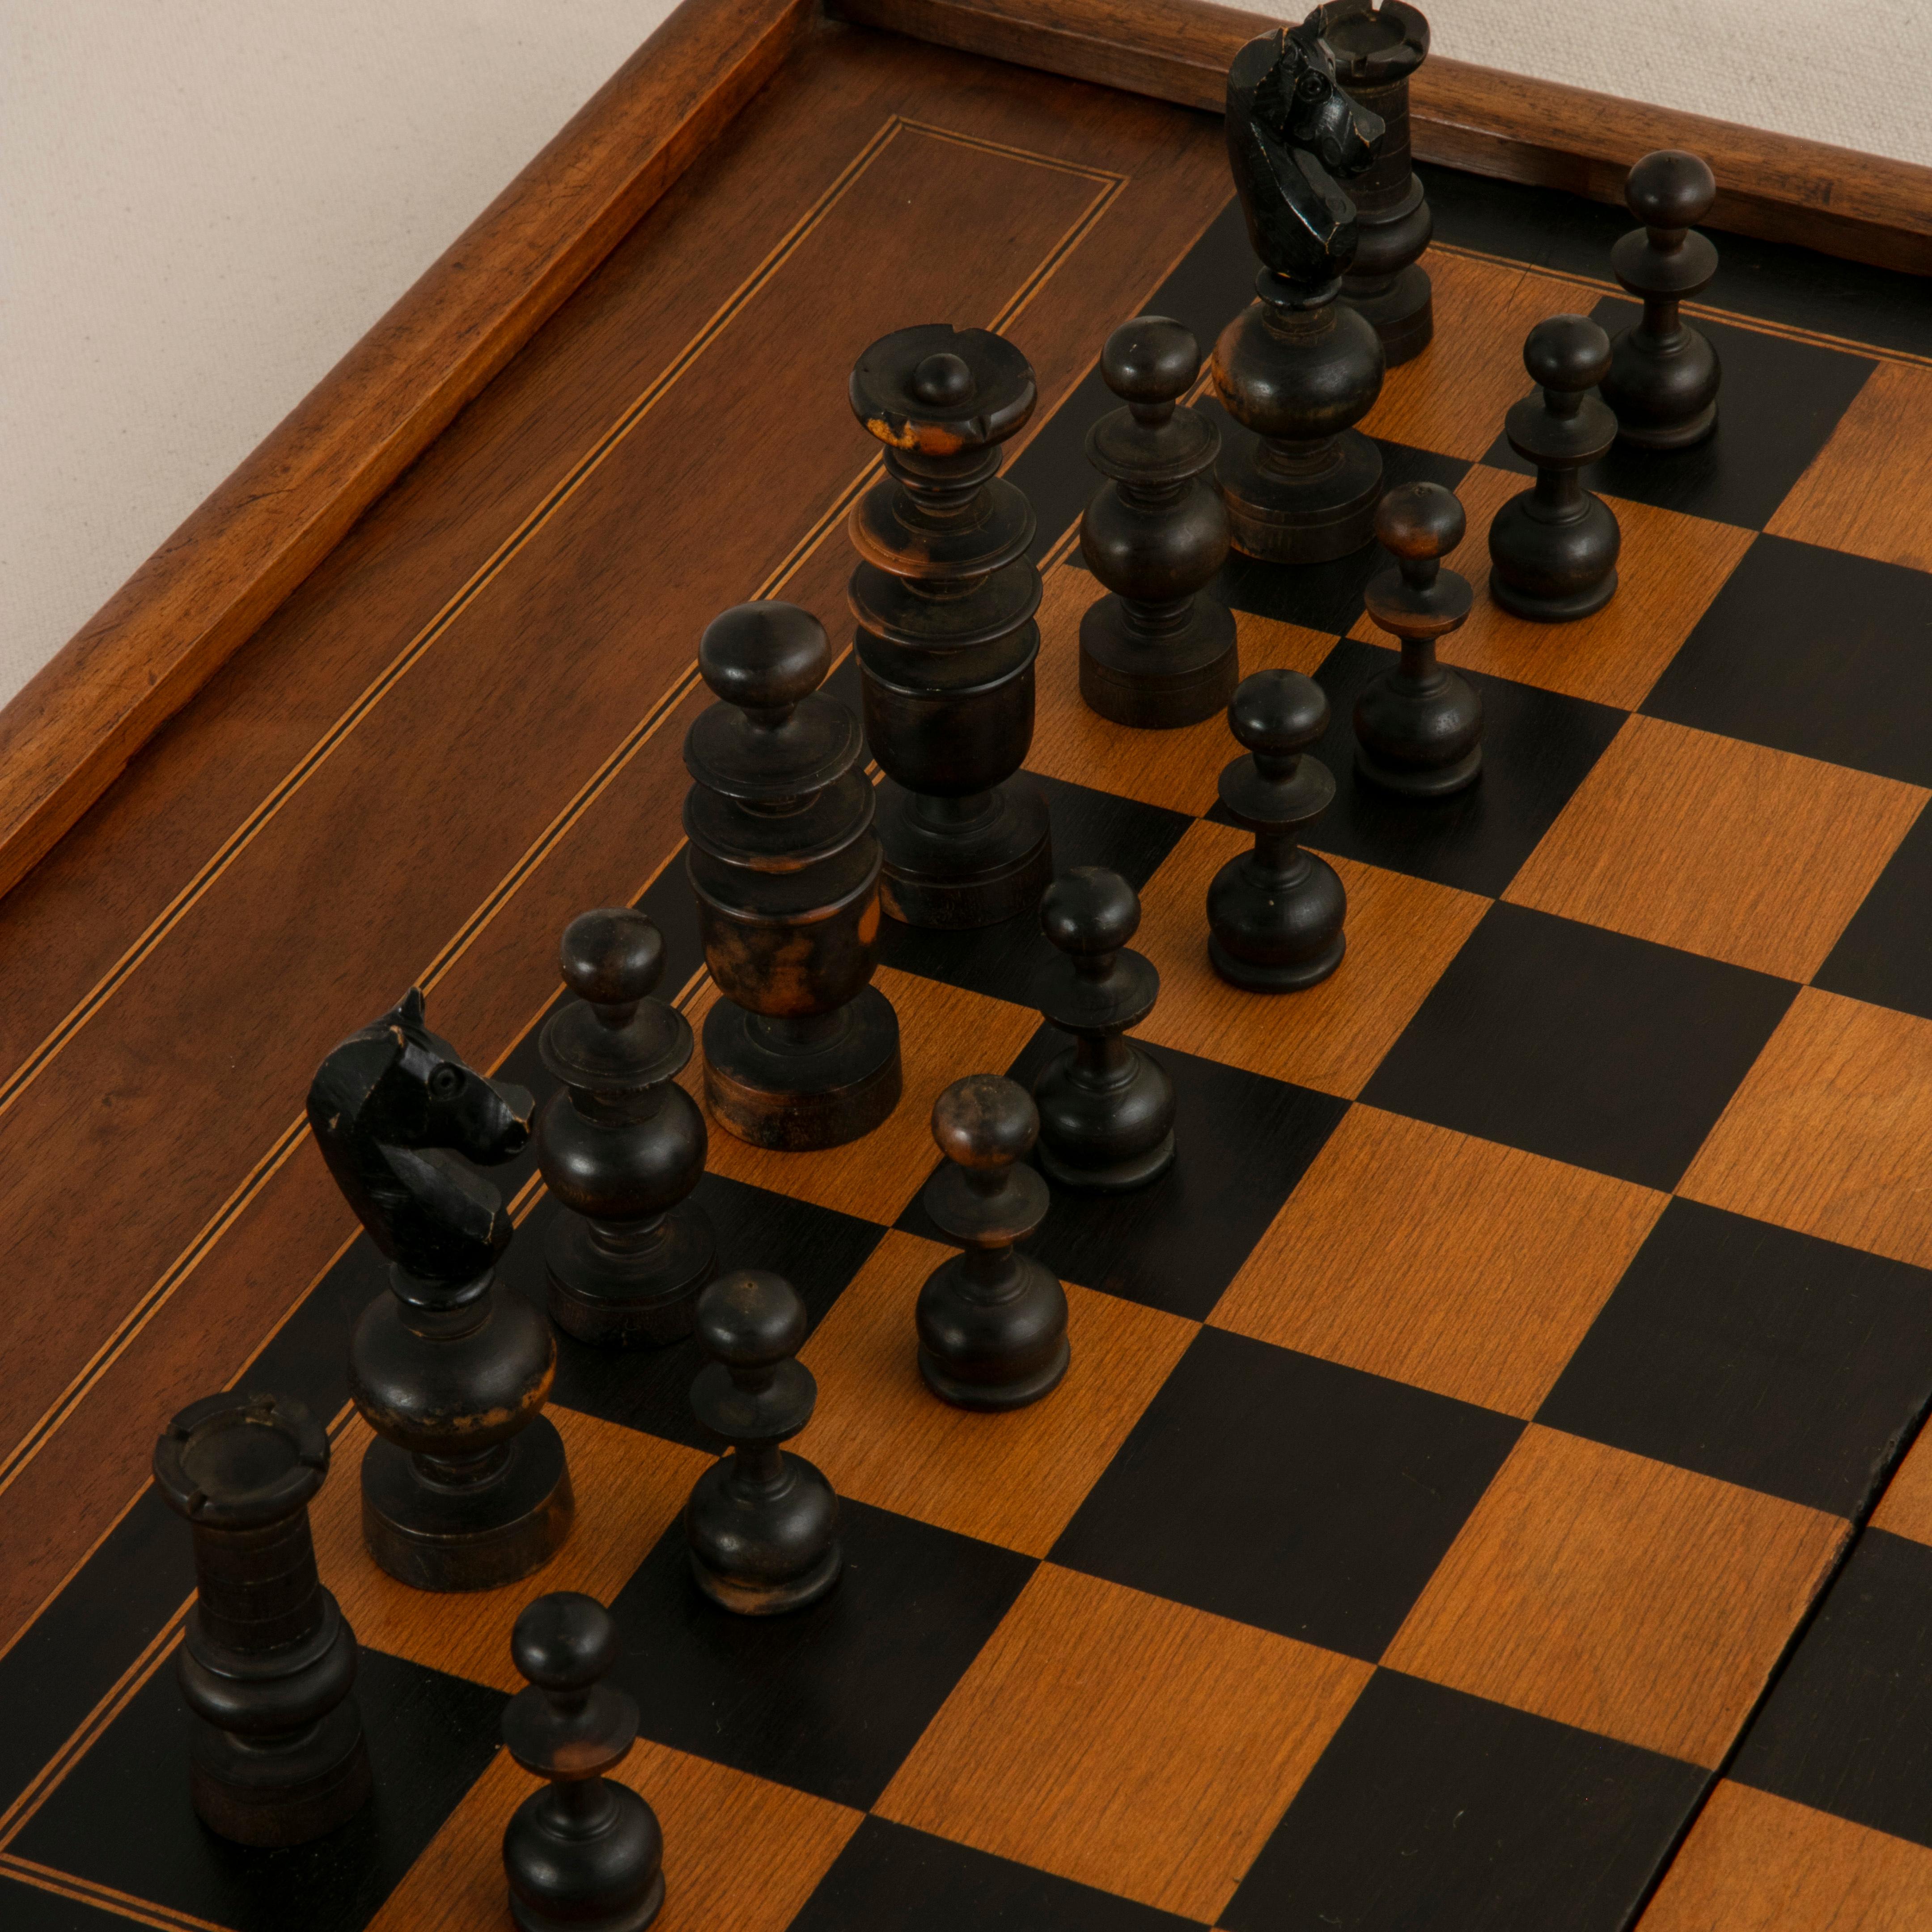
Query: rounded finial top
[750,1319]
[612,957]
[1419,519]
[1670,189]
[566,1641]
[942,381]
[764,656]
[1567,352]
[1276,712]
[984,1120]
[1090,910]
[1150,359]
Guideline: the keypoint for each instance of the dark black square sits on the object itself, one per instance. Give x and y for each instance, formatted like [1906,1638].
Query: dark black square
[829,1699]
[1288,1492]
[1756,1355]
[1602,1050]
[1538,747]
[1884,955]
[1780,403]
[1848,1727]
[890,1878]
[122,1816]
[1004,961]
[1242,1141]
[1433,1808]
[25,1908]
[1812,651]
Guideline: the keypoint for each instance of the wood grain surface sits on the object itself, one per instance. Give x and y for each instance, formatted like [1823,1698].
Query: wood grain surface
[1905,1507]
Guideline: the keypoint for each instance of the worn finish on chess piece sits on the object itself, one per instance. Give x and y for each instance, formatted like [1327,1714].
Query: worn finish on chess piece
[267,1665]
[468,1487]
[800,1050]
[621,1145]
[584,1854]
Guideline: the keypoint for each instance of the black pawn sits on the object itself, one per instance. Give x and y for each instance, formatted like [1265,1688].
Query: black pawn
[992,1323]
[1419,726]
[621,1145]
[1553,549]
[1106,1108]
[1275,915]
[762,1524]
[267,1663]
[1155,654]
[1662,383]
[584,1855]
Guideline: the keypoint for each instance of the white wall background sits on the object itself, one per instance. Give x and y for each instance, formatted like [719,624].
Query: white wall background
[203,203]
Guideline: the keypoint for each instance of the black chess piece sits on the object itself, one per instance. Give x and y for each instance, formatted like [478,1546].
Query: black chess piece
[584,1854]
[992,1323]
[1298,369]
[621,1145]
[1275,915]
[1106,1106]
[1419,726]
[801,1050]
[762,1524]
[1156,653]
[944,594]
[267,1665]
[1376,49]
[1553,548]
[1663,382]
[467,1487]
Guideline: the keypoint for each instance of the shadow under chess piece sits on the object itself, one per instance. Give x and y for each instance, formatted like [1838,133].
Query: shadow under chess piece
[267,1664]
[1419,725]
[1553,548]
[1156,653]
[762,1524]
[585,1854]
[622,1145]
[1106,1107]
[1663,382]
[1275,915]
[992,1323]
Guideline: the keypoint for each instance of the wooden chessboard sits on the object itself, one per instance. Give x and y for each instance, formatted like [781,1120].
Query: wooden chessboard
[1473,1501]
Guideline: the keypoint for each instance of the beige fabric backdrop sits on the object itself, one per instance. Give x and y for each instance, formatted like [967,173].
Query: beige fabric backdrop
[204,203]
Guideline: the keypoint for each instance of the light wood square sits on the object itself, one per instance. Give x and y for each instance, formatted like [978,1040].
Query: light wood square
[629,1486]
[1452,398]
[1905,1507]
[1868,490]
[1402,932]
[1125,1742]
[1618,1594]
[1757,1863]
[881,1435]
[738,1852]
[1714,846]
[1176,768]
[1671,567]
[1828,1132]
[1441,1261]
[875,1176]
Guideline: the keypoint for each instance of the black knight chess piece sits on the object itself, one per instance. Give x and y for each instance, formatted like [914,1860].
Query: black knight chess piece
[1298,369]
[992,1323]
[1106,1107]
[801,1050]
[762,1524]
[1419,726]
[1663,382]
[621,1145]
[1156,653]
[944,594]
[1553,548]
[267,1665]
[467,1486]
[1376,49]
[1275,915]
[585,1854]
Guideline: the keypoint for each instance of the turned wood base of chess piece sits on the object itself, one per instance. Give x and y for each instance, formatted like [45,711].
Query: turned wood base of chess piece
[1402,313]
[1157,683]
[629,1288]
[958,863]
[1554,569]
[816,1081]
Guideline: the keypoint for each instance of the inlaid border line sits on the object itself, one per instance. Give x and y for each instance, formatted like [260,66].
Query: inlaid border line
[101,1897]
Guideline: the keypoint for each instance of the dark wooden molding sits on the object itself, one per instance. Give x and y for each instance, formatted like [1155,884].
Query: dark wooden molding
[1777,187]
[73,727]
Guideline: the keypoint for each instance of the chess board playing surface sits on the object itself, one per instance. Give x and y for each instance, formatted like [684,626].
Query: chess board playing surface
[1472,1502]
